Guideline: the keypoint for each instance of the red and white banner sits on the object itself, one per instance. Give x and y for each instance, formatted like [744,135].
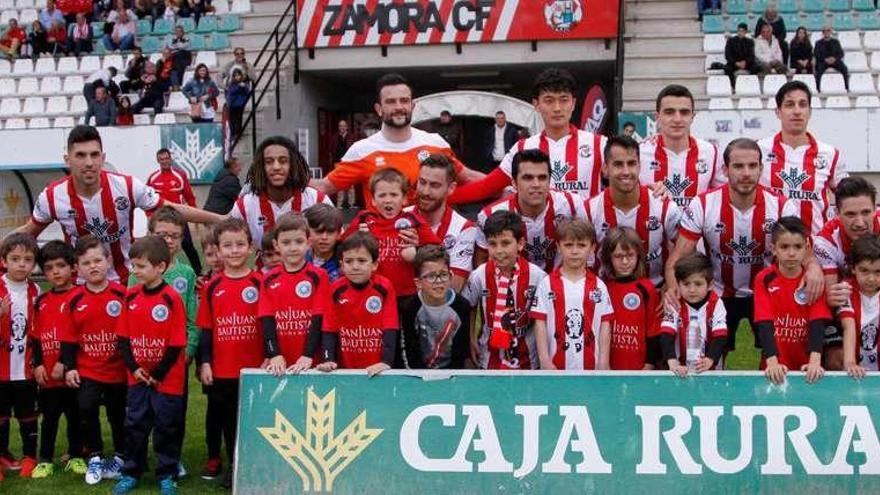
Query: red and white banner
[333,23]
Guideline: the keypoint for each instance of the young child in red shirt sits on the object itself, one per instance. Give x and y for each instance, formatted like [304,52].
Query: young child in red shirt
[92,362]
[700,310]
[57,261]
[861,317]
[791,330]
[637,305]
[231,338]
[291,300]
[18,389]
[360,328]
[398,233]
[152,340]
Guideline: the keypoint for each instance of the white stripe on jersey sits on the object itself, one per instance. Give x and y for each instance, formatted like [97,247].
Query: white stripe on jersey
[868,321]
[254,217]
[709,173]
[574,302]
[459,240]
[673,322]
[704,218]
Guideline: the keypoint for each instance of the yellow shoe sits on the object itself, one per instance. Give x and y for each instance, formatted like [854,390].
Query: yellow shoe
[43,470]
[76,465]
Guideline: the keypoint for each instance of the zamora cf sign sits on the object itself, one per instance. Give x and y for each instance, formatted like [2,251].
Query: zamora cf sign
[533,432]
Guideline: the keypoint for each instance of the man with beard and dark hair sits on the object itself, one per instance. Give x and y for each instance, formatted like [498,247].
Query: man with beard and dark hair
[435,183]
[397,145]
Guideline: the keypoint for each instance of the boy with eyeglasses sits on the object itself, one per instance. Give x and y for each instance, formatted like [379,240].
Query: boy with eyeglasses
[434,321]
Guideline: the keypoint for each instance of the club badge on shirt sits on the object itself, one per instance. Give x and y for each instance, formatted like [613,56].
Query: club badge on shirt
[304,289]
[249,295]
[159,313]
[631,301]
[114,308]
[374,304]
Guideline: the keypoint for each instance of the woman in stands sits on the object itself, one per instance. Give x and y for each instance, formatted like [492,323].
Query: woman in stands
[202,93]
[801,52]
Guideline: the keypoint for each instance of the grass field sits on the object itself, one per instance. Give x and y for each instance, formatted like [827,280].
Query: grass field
[745,358]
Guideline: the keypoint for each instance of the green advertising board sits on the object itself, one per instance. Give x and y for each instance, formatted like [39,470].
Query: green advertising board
[196,148]
[600,432]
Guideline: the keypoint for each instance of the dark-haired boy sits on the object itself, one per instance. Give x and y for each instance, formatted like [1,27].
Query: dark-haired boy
[360,328]
[18,389]
[504,287]
[435,322]
[152,340]
[860,317]
[57,262]
[325,226]
[269,257]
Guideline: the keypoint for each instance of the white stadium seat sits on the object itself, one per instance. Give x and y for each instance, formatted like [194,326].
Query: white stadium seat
[713,58]
[45,65]
[832,84]
[39,123]
[89,64]
[177,102]
[187,76]
[164,118]
[56,105]
[850,40]
[748,86]
[718,86]
[78,104]
[875,61]
[240,6]
[861,84]
[856,61]
[872,40]
[720,104]
[141,119]
[750,103]
[837,102]
[772,83]
[34,105]
[808,79]
[28,86]
[68,65]
[816,102]
[23,66]
[64,122]
[868,102]
[714,43]
[771,103]
[10,107]
[24,4]
[220,7]
[113,60]
[5,67]
[16,124]
[50,85]
[7,15]
[73,85]
[7,4]
[206,57]
[26,17]
[7,87]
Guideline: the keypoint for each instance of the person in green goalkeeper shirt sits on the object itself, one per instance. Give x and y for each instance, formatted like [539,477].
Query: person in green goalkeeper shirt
[168,224]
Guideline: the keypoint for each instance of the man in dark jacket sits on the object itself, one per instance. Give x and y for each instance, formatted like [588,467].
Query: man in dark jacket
[777,24]
[500,138]
[740,53]
[829,55]
[225,189]
[133,71]
[339,144]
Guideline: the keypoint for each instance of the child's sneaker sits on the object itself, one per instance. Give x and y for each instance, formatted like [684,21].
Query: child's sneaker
[43,470]
[181,471]
[28,464]
[112,468]
[212,468]
[76,465]
[93,470]
[9,463]
[167,486]
[125,484]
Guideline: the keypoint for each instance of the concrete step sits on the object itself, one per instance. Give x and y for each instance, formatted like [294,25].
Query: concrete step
[663,46]
[662,27]
[682,64]
[638,15]
[264,22]
[269,6]
[661,8]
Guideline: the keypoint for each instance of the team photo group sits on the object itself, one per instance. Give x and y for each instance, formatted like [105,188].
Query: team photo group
[592,253]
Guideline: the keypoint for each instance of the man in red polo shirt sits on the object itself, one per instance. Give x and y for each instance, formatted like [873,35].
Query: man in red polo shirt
[173,186]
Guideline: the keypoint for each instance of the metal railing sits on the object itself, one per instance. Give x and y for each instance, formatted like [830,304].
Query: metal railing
[619,59]
[282,39]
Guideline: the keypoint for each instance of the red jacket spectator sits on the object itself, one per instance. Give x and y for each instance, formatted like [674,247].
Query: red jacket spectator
[70,7]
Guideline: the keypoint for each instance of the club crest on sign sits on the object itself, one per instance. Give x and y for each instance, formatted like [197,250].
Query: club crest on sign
[563,15]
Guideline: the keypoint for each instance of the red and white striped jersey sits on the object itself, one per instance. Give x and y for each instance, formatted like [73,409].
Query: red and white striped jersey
[711,319]
[685,174]
[865,310]
[540,246]
[15,326]
[738,242]
[108,215]
[654,219]
[806,175]
[574,312]
[260,212]
[575,160]
[477,292]
[831,245]
[459,236]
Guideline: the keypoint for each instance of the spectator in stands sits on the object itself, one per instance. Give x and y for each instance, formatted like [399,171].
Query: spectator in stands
[12,40]
[119,8]
[237,62]
[237,94]
[181,56]
[708,7]
[102,108]
[71,8]
[124,31]
[164,68]
[225,189]
[500,138]
[801,52]
[192,8]
[56,39]
[451,131]
[50,15]
[152,90]
[124,115]
[829,55]
[202,93]
[171,10]
[629,129]
[102,78]
[133,71]
[80,35]
[152,9]
[37,40]
[777,24]
[740,53]
[768,54]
